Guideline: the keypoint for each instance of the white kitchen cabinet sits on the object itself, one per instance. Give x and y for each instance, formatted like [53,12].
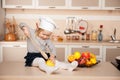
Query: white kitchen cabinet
[61,52]
[111,4]
[51,4]
[13,52]
[110,52]
[97,50]
[85,4]
[20,4]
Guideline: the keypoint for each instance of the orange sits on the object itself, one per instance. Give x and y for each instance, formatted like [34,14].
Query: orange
[88,63]
[71,58]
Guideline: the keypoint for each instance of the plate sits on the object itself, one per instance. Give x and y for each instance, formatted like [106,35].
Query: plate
[98,61]
[114,41]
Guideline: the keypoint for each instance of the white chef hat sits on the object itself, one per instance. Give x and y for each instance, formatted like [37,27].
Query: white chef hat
[47,23]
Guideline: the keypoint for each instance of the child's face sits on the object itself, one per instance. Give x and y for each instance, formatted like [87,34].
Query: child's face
[44,34]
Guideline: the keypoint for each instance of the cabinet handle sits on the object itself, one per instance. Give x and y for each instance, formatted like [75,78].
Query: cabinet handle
[52,7]
[16,46]
[85,8]
[18,6]
[117,8]
[118,46]
[85,46]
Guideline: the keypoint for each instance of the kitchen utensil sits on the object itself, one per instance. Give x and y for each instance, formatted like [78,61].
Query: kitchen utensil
[83,25]
[10,37]
[118,59]
[14,25]
[38,48]
[67,31]
[8,25]
[70,24]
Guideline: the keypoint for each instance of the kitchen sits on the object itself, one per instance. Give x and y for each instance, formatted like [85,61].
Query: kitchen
[95,14]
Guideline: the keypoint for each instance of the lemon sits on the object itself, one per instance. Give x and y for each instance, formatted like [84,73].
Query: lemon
[77,55]
[93,60]
[50,63]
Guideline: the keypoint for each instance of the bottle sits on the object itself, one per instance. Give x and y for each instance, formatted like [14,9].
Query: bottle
[100,36]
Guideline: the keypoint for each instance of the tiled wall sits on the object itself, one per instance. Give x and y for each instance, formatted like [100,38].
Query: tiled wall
[109,19]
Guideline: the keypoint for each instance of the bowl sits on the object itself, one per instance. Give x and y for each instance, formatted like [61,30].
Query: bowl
[118,59]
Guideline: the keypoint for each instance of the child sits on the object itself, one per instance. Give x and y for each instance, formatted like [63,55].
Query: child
[41,37]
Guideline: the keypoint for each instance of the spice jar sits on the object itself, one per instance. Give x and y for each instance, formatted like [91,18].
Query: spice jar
[94,35]
[87,36]
[68,37]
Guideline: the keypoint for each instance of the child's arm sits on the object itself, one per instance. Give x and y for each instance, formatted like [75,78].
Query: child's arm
[52,50]
[24,28]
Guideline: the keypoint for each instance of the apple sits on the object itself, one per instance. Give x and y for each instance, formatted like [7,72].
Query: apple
[81,61]
[85,55]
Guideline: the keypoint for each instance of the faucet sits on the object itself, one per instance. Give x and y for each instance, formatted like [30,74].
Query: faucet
[115,33]
[113,37]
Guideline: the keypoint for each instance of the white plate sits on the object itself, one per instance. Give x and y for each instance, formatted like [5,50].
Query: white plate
[114,41]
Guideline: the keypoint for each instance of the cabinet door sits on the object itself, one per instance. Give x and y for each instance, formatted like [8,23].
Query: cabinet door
[110,52]
[111,4]
[97,50]
[13,52]
[51,4]
[18,3]
[61,52]
[85,4]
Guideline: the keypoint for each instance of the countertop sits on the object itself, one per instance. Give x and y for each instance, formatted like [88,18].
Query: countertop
[17,71]
[69,42]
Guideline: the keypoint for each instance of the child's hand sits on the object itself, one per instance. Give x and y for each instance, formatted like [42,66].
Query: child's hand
[52,58]
[26,32]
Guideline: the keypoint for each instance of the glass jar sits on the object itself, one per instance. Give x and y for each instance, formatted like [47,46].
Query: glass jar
[68,37]
[94,35]
[87,36]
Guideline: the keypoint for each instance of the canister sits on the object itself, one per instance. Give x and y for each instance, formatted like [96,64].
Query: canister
[94,35]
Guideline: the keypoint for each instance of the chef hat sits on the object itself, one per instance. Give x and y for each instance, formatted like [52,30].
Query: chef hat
[47,23]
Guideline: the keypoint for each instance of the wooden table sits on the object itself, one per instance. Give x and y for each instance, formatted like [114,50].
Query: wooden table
[17,71]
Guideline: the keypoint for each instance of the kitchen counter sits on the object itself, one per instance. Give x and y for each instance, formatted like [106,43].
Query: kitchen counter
[67,42]
[17,71]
